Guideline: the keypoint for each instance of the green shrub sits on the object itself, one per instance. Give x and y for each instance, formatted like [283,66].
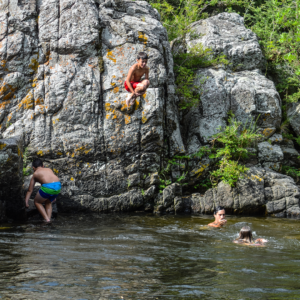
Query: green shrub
[291,171]
[228,150]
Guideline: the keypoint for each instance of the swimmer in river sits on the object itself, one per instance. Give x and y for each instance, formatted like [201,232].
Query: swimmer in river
[246,238]
[48,192]
[219,215]
[134,83]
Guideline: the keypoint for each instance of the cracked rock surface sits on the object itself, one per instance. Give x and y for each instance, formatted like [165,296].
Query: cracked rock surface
[239,87]
[11,178]
[62,69]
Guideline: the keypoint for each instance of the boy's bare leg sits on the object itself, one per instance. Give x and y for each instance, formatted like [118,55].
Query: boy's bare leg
[129,98]
[48,208]
[38,200]
[142,87]
[139,90]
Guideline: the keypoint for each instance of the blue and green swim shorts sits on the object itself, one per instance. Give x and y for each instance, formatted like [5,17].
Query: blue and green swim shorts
[50,190]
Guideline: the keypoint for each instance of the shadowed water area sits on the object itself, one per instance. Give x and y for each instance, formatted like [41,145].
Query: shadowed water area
[148,257]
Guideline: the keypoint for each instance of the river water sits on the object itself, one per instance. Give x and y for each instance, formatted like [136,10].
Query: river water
[148,257]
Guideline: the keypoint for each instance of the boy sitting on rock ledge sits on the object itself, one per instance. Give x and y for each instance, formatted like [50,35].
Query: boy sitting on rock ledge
[48,192]
[133,83]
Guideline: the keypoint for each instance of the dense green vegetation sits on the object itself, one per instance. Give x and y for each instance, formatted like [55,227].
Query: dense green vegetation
[227,151]
[276,22]
[277,25]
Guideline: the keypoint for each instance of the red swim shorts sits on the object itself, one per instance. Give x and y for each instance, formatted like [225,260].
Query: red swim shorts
[133,84]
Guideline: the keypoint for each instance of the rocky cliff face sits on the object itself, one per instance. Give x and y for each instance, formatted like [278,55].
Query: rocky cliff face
[63,65]
[240,88]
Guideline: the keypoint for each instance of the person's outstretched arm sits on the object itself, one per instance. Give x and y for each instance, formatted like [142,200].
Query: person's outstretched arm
[30,190]
[261,241]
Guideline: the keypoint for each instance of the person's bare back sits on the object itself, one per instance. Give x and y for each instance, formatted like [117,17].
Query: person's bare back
[44,175]
[48,192]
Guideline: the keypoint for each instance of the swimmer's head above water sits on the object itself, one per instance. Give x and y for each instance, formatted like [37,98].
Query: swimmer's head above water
[246,234]
[245,237]
[219,214]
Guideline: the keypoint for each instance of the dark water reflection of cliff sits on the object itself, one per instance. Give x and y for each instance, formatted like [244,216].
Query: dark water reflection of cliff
[148,257]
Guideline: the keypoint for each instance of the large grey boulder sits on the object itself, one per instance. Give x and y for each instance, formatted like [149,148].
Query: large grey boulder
[12,203]
[226,34]
[240,87]
[63,65]
[261,191]
[248,94]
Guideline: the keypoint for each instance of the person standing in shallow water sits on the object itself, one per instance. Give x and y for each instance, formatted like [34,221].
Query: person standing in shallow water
[219,214]
[245,237]
[48,192]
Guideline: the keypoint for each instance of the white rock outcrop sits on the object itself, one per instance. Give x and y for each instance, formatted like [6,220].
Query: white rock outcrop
[240,87]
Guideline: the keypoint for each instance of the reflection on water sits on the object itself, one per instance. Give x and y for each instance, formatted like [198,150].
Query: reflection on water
[148,257]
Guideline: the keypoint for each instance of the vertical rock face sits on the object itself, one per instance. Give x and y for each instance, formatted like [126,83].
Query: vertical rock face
[11,178]
[240,87]
[62,68]
[63,65]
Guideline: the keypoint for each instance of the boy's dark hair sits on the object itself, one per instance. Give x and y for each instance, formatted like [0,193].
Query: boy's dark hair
[142,55]
[37,163]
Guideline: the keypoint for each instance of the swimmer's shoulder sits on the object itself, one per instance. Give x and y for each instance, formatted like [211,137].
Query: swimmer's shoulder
[213,225]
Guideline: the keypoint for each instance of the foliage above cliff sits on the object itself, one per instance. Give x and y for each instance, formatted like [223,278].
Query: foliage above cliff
[276,22]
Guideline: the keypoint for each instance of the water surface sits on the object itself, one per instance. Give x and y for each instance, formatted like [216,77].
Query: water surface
[148,257]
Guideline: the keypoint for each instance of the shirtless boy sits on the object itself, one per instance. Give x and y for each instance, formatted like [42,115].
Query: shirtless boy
[219,215]
[134,84]
[48,192]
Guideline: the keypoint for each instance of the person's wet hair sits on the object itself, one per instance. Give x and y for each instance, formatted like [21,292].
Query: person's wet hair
[142,55]
[246,234]
[218,208]
[37,163]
